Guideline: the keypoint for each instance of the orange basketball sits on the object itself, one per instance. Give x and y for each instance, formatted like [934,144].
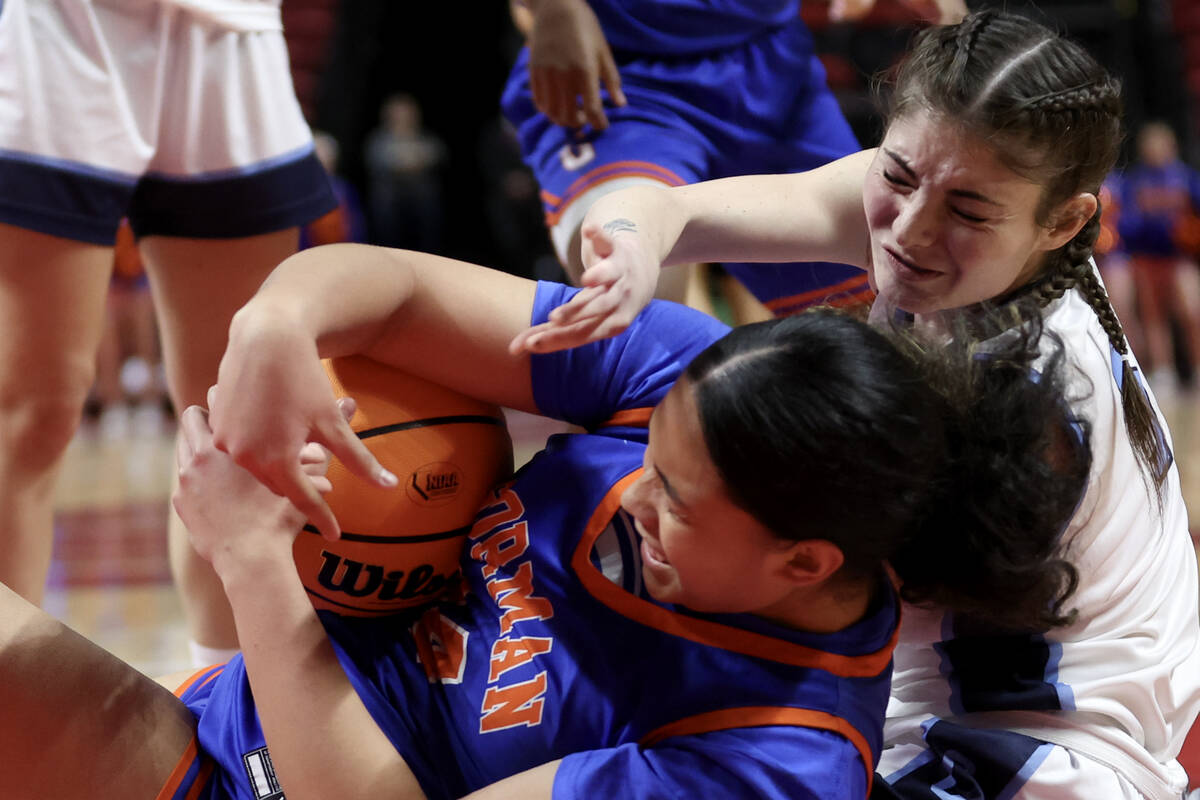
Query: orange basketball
[400,547]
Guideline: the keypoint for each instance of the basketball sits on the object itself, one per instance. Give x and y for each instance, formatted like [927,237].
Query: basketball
[400,547]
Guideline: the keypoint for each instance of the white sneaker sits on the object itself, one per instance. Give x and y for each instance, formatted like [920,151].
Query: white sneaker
[114,422]
[148,419]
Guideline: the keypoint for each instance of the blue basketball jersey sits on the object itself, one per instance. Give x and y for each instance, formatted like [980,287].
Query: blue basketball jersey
[714,89]
[1153,201]
[674,27]
[555,651]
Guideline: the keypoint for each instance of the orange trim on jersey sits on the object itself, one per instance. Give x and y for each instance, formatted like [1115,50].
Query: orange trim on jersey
[862,298]
[552,217]
[854,284]
[604,174]
[630,418]
[183,687]
[202,777]
[703,631]
[549,198]
[190,754]
[759,716]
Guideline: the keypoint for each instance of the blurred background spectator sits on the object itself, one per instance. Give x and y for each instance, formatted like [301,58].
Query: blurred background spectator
[1158,195]
[347,222]
[348,58]
[404,184]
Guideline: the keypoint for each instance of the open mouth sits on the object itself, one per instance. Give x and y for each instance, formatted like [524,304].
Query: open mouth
[653,555]
[651,552]
[908,269]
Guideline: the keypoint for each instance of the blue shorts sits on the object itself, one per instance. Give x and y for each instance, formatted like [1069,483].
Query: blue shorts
[230,760]
[760,108]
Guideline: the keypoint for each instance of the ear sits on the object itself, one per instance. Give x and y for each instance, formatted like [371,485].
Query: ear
[811,561]
[1068,219]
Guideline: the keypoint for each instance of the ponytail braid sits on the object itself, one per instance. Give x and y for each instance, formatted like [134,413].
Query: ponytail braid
[1071,267]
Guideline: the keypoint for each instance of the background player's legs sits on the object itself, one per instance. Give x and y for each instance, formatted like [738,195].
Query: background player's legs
[1186,300]
[78,723]
[1153,282]
[51,317]
[198,284]
[744,307]
[1117,273]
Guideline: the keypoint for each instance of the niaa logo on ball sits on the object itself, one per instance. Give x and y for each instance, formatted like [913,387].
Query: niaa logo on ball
[435,484]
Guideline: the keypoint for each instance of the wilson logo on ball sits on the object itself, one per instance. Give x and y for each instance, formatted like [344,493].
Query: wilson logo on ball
[435,484]
[356,579]
[401,549]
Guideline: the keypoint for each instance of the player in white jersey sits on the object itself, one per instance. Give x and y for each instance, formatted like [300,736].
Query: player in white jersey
[983,193]
[180,116]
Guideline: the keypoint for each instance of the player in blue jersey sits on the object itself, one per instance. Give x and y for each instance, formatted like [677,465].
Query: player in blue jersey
[616,93]
[981,196]
[686,602]
[1157,195]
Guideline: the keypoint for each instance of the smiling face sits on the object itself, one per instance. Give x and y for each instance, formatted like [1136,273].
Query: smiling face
[950,224]
[698,548]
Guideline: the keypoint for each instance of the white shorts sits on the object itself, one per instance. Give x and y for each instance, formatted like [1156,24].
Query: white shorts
[155,111]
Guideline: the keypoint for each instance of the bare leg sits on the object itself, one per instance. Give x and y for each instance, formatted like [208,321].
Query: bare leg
[78,723]
[744,306]
[52,294]
[1118,280]
[1187,302]
[198,284]
[1152,301]
[108,358]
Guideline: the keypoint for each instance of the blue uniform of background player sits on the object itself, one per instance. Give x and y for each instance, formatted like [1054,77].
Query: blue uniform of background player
[556,651]
[713,90]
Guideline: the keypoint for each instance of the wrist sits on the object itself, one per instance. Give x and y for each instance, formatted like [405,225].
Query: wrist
[267,317]
[252,569]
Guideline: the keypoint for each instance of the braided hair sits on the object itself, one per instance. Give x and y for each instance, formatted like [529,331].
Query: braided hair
[1052,113]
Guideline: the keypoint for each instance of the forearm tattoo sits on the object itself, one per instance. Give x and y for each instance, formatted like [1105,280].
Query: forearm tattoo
[618,225]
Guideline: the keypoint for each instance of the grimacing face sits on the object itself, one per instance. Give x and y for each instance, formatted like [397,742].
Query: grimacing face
[699,549]
[950,224]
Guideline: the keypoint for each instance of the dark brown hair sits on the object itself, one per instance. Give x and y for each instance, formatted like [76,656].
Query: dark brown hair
[933,459]
[1053,114]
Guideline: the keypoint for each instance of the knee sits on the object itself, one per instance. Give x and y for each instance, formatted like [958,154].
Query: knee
[39,417]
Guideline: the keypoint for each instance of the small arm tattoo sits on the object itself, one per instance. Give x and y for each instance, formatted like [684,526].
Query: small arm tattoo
[618,225]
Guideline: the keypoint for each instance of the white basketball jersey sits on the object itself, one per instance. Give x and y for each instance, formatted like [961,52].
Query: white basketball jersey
[1120,685]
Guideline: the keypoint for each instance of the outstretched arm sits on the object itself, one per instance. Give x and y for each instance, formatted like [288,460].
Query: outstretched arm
[629,234]
[440,319]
